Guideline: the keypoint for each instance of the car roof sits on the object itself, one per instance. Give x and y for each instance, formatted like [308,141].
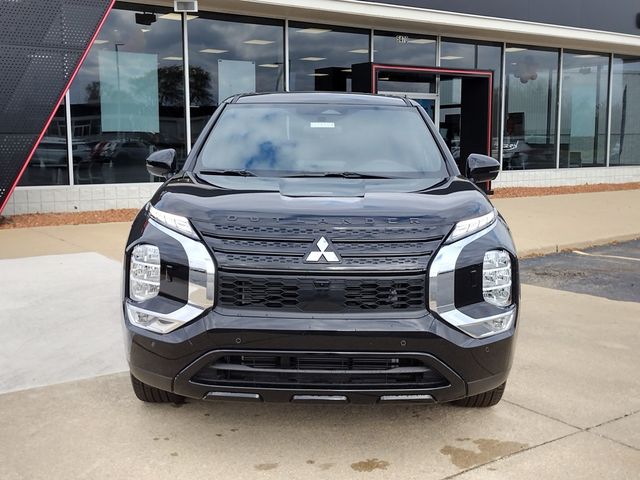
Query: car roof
[321,97]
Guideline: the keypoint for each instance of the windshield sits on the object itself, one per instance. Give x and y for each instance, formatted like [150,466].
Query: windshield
[355,141]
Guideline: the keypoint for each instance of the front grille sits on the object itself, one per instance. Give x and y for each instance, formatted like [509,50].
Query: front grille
[333,294]
[262,262]
[282,247]
[319,370]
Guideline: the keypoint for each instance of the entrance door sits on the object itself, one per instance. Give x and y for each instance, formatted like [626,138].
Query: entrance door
[458,101]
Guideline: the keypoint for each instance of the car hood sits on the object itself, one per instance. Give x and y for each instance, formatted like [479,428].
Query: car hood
[373,230]
[443,203]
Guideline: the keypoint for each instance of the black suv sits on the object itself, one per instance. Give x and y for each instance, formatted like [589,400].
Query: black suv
[320,247]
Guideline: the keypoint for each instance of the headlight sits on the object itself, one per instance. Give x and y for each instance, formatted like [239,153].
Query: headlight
[145,277]
[468,227]
[174,222]
[499,312]
[496,278]
[144,272]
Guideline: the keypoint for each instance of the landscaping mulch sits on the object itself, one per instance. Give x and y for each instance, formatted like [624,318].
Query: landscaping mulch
[542,191]
[71,218]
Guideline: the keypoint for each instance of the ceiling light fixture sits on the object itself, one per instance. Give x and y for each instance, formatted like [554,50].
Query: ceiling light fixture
[514,49]
[258,42]
[213,50]
[176,16]
[359,50]
[451,57]
[318,74]
[269,65]
[172,58]
[312,59]
[314,31]
[100,42]
[421,41]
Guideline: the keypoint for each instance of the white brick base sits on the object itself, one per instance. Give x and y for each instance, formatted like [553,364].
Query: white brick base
[79,198]
[566,176]
[133,195]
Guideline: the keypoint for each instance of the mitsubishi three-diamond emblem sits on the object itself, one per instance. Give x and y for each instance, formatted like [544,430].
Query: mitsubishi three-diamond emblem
[322,249]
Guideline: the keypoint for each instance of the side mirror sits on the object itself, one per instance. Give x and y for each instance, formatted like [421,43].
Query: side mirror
[162,163]
[481,168]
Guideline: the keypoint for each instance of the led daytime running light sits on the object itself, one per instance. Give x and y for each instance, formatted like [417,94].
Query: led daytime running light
[472,225]
[174,222]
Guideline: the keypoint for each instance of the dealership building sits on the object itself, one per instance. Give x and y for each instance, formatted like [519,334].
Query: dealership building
[551,89]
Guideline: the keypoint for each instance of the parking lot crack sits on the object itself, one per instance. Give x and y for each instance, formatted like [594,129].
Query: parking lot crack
[543,414]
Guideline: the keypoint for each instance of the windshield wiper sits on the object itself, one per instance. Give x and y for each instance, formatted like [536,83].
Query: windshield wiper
[236,173]
[335,174]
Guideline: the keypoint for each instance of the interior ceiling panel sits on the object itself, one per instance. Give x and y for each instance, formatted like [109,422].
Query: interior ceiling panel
[42,44]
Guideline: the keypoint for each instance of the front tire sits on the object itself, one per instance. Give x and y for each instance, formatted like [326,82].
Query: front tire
[150,394]
[483,400]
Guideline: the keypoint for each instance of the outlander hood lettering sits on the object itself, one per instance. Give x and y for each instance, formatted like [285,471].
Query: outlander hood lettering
[324,249]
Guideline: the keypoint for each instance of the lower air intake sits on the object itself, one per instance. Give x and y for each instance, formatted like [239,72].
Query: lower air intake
[319,370]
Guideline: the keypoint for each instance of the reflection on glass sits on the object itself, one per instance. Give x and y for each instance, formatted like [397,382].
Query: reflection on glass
[530,123]
[583,127]
[489,57]
[401,82]
[450,114]
[127,100]
[49,164]
[281,140]
[625,112]
[321,56]
[230,55]
[398,48]
[458,55]
[477,56]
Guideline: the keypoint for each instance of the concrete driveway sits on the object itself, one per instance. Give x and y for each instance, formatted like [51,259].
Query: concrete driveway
[570,411]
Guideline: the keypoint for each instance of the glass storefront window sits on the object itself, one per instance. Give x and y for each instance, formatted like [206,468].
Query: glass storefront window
[230,55]
[127,100]
[49,164]
[398,48]
[476,56]
[458,54]
[583,124]
[625,112]
[531,108]
[321,56]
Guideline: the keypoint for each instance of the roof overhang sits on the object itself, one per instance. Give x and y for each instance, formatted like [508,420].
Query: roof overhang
[434,22]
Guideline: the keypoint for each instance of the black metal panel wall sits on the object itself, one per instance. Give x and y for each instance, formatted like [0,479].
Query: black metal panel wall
[42,43]
[617,16]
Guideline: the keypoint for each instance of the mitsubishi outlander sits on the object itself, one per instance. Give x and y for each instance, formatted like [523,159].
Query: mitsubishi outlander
[320,247]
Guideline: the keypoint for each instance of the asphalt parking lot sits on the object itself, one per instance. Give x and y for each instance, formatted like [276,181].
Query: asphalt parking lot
[609,271]
[571,408]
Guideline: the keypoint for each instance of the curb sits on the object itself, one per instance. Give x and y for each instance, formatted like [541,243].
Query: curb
[547,250]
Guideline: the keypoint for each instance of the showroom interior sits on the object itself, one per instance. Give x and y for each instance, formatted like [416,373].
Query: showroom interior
[553,111]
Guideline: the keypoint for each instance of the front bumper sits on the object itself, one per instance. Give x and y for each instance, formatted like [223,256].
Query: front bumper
[467,366]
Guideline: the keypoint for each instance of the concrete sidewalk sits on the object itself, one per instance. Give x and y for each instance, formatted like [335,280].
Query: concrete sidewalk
[539,225]
[557,222]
